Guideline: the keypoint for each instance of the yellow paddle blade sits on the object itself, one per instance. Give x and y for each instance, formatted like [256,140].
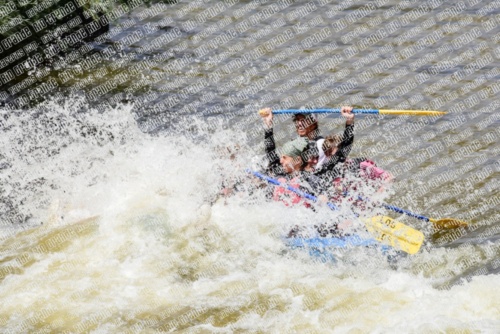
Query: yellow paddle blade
[395,234]
[447,223]
[411,112]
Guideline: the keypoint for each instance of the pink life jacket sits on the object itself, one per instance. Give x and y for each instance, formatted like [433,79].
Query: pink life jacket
[286,196]
[369,170]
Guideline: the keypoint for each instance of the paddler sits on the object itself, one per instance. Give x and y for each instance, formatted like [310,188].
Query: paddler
[324,158]
[289,162]
[306,125]
[285,168]
[337,150]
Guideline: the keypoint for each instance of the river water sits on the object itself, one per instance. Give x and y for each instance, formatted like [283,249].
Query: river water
[112,220]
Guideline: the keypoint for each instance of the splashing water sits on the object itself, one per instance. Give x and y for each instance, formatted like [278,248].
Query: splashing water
[133,240]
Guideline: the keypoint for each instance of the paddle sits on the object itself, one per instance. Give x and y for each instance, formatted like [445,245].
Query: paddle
[444,223]
[358,111]
[384,229]
[288,187]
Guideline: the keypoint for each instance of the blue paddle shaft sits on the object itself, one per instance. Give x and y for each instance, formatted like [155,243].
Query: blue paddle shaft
[406,212]
[288,187]
[395,209]
[323,111]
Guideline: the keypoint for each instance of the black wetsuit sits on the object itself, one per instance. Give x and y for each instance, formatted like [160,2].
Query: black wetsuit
[274,167]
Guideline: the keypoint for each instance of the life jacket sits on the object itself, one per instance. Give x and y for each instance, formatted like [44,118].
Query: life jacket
[370,171]
[366,171]
[286,196]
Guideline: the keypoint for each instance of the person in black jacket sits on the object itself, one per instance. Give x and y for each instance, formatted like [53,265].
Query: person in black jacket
[289,162]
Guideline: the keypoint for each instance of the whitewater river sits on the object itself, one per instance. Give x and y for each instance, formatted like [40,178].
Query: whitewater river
[112,218]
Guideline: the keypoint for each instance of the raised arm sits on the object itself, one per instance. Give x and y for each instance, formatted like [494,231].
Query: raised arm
[344,148]
[345,145]
[269,144]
